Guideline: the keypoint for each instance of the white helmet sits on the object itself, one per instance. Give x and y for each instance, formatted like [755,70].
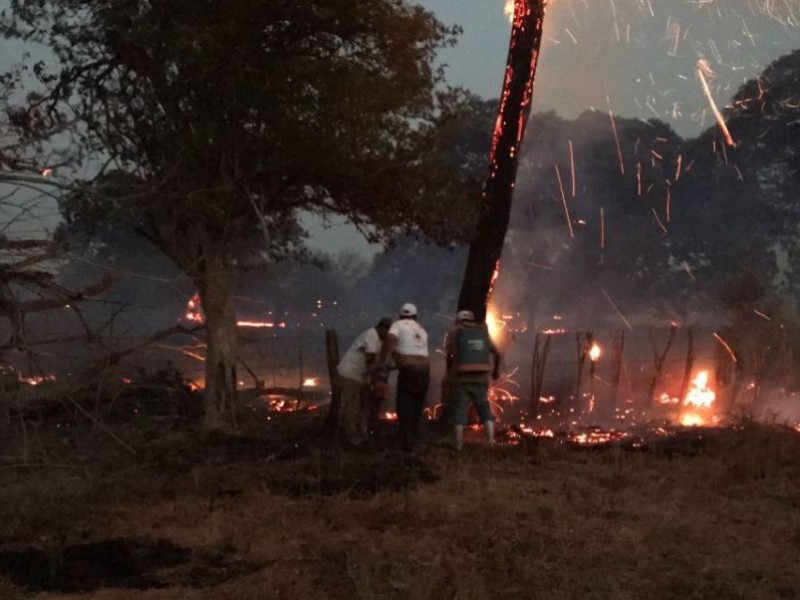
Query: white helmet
[465,315]
[408,310]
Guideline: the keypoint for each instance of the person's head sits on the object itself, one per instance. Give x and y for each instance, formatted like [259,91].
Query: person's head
[465,316]
[408,311]
[383,327]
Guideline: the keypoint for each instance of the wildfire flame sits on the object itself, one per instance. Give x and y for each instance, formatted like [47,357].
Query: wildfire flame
[194,314]
[508,10]
[494,323]
[699,399]
[595,352]
[37,380]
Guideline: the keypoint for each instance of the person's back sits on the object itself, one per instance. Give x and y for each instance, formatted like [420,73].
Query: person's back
[353,363]
[470,351]
[354,376]
[411,346]
[407,343]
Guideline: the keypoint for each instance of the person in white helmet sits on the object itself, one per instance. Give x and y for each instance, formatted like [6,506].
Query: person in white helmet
[407,344]
[471,358]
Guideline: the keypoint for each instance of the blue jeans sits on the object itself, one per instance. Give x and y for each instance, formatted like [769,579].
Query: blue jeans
[466,393]
[412,389]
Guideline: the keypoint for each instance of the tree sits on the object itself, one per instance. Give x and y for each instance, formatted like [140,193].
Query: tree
[512,119]
[209,125]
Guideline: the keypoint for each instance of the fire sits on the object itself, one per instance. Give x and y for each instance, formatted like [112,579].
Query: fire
[310,382]
[596,436]
[281,403]
[494,323]
[595,352]
[692,420]
[194,314]
[508,10]
[37,380]
[699,400]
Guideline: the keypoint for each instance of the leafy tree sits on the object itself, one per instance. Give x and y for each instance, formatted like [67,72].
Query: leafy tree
[209,126]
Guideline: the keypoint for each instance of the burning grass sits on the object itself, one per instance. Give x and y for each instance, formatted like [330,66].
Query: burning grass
[717,519]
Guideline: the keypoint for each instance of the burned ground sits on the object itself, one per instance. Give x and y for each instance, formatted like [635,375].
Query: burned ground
[282,512]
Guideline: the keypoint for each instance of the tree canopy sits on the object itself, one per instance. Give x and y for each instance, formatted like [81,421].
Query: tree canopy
[208,126]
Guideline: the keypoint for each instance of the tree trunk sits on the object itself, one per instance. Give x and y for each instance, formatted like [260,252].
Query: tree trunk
[221,353]
[515,107]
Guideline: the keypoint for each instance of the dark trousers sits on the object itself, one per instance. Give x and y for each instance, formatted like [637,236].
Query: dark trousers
[412,388]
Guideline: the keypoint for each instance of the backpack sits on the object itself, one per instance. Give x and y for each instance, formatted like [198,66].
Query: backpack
[472,349]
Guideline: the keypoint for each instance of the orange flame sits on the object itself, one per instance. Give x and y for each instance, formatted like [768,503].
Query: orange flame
[699,400]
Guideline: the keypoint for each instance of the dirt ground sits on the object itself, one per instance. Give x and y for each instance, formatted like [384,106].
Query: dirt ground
[280,512]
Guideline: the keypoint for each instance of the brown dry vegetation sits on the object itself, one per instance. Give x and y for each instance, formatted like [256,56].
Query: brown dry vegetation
[298,518]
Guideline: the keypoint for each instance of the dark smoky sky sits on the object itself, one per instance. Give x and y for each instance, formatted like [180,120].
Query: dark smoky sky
[635,57]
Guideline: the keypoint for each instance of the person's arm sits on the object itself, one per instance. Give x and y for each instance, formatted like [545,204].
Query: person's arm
[449,349]
[388,346]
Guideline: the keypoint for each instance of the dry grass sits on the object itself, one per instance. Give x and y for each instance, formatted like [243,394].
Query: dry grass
[525,522]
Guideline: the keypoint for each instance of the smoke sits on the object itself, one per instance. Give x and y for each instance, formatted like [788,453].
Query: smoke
[636,57]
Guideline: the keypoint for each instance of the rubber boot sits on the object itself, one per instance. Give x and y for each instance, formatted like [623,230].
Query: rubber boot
[488,428]
[458,430]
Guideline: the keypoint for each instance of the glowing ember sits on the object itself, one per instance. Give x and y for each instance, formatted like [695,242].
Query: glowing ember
[281,403]
[597,437]
[388,416]
[595,352]
[667,399]
[726,345]
[256,324]
[704,73]
[194,314]
[37,380]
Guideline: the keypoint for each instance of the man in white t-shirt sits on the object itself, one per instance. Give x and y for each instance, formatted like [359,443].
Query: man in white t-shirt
[407,343]
[354,377]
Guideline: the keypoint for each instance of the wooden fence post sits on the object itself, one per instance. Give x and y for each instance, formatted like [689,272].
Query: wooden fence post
[687,369]
[616,365]
[537,373]
[332,355]
[659,361]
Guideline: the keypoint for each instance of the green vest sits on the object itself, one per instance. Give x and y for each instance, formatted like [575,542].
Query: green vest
[472,349]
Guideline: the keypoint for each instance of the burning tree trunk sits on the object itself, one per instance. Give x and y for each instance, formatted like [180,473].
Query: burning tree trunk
[515,107]
[221,353]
